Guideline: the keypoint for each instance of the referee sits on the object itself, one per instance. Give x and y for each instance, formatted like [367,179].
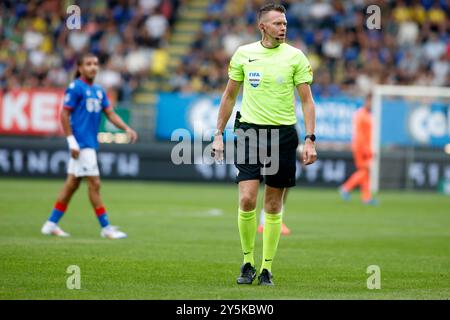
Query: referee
[270,70]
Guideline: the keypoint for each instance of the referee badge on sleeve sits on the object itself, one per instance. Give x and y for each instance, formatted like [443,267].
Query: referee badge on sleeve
[254,77]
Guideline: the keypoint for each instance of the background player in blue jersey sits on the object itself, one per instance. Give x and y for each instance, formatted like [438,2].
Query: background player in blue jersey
[84,103]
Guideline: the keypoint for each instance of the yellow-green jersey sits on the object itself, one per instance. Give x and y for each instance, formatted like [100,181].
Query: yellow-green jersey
[270,77]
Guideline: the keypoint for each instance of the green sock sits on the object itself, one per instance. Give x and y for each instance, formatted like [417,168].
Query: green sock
[271,236]
[247,231]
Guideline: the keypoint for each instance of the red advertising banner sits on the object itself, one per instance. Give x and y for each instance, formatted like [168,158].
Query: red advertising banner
[31,112]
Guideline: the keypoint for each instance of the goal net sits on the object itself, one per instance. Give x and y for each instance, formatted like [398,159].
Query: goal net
[411,137]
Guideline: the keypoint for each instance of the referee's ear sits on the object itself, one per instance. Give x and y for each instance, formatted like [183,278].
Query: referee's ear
[263,31]
[261,24]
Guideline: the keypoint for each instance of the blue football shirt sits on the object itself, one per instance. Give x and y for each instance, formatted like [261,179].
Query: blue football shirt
[86,103]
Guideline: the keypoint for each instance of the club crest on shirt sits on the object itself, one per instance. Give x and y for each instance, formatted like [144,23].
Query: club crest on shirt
[254,77]
[99,94]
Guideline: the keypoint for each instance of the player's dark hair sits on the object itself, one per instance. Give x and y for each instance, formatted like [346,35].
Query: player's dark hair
[270,7]
[80,61]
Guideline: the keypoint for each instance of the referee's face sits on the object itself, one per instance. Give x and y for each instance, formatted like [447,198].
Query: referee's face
[273,24]
[89,67]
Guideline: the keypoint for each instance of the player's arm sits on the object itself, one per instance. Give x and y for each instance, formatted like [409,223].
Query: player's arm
[118,122]
[71,102]
[227,103]
[71,141]
[309,114]
[226,108]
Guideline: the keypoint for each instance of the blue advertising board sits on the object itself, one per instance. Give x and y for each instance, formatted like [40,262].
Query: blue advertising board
[404,122]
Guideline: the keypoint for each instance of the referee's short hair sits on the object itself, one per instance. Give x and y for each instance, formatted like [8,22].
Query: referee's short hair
[270,7]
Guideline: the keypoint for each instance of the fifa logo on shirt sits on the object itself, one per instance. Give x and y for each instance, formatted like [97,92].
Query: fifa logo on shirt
[74,20]
[254,77]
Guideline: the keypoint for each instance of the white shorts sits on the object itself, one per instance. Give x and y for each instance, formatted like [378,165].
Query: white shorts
[85,165]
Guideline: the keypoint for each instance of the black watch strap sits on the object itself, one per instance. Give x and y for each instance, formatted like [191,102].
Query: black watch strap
[311,137]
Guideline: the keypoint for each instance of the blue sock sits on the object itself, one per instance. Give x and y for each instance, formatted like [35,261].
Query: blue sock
[102,216]
[57,212]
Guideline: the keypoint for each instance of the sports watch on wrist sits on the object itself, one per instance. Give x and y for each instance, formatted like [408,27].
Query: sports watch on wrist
[217,132]
[311,137]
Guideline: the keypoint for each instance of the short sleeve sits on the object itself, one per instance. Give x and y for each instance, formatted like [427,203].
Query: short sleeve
[105,101]
[71,97]
[235,69]
[303,72]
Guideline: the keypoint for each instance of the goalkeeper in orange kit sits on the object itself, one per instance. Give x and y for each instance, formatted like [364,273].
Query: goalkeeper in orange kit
[362,154]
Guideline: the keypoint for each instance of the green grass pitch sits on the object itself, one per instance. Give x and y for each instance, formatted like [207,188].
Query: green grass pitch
[184,244]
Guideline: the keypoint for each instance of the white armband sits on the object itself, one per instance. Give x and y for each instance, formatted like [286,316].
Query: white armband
[72,142]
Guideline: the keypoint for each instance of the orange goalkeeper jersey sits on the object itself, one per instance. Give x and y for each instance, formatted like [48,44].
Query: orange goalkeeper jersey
[362,132]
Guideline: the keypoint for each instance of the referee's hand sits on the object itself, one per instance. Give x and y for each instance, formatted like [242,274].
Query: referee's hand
[309,154]
[217,149]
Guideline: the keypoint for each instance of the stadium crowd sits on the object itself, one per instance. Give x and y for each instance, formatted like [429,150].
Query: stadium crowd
[38,50]
[412,46]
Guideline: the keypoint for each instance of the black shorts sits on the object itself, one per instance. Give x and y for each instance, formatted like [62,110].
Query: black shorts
[262,160]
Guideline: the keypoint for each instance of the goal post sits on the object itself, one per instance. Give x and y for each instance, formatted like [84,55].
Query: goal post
[406,93]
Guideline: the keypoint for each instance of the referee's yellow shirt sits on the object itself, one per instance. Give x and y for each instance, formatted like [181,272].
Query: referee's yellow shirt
[270,77]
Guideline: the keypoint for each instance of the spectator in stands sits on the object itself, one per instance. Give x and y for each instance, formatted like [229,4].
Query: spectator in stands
[412,47]
[37,49]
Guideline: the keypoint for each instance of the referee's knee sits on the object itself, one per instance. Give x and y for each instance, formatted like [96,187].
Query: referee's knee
[247,202]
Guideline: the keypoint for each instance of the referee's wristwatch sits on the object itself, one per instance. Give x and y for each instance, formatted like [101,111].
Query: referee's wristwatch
[311,137]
